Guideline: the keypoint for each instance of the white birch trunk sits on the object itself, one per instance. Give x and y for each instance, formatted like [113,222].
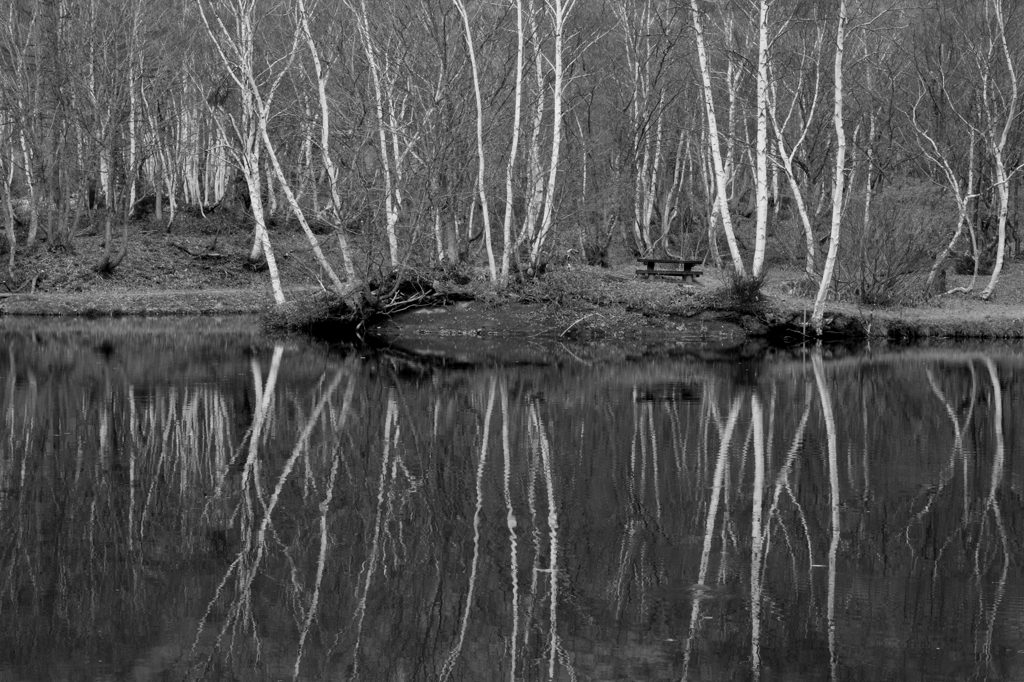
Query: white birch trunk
[252,182]
[868,180]
[998,148]
[481,178]
[761,229]
[838,183]
[325,152]
[670,202]
[559,10]
[963,199]
[271,191]
[713,142]
[240,45]
[8,212]
[132,140]
[510,170]
[33,209]
[535,176]
[391,200]
[297,211]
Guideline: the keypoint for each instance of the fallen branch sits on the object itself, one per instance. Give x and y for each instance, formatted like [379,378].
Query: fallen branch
[209,255]
[566,330]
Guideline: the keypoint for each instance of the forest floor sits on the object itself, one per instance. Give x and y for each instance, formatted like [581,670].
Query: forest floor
[199,268]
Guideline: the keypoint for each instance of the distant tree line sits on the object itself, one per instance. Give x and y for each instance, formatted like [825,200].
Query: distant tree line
[861,139]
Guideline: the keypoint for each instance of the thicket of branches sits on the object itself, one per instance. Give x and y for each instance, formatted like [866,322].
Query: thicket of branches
[514,132]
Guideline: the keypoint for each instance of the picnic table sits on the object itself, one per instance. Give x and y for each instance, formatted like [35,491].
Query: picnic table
[677,268]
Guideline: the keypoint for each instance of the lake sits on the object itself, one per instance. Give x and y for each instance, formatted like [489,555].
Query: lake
[192,500]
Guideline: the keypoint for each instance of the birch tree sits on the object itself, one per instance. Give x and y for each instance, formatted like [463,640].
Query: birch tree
[236,48]
[998,104]
[242,70]
[941,156]
[805,115]
[647,54]
[559,12]
[534,173]
[386,116]
[711,118]
[761,227]
[839,174]
[480,150]
[322,74]
[6,206]
[513,151]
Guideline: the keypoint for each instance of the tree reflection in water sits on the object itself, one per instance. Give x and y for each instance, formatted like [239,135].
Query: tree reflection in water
[187,508]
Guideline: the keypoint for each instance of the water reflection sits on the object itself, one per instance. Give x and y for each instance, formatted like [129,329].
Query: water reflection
[188,508]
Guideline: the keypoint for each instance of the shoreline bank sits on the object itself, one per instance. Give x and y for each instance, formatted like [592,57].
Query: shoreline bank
[611,308]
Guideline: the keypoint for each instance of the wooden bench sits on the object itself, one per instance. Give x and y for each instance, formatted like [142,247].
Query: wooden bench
[680,268]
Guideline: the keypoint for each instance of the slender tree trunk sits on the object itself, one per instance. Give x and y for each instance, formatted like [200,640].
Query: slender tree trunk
[761,229]
[963,199]
[33,208]
[391,196]
[516,125]
[297,211]
[998,148]
[8,212]
[158,188]
[262,238]
[559,10]
[480,152]
[235,49]
[325,129]
[713,141]
[869,175]
[838,182]
[535,176]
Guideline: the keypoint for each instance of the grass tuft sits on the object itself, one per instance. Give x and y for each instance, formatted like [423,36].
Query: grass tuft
[745,292]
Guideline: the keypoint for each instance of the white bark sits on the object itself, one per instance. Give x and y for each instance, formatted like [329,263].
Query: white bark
[510,170]
[480,153]
[297,211]
[838,181]
[33,209]
[8,210]
[961,194]
[392,198]
[253,184]
[998,149]
[559,10]
[535,176]
[713,141]
[325,151]
[761,229]
[236,52]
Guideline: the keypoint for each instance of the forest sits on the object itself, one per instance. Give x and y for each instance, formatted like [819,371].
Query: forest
[872,144]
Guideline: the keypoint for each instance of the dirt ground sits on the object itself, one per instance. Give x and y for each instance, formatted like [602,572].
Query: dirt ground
[198,267]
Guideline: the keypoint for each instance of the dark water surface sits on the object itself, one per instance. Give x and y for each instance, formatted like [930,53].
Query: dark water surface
[177,505]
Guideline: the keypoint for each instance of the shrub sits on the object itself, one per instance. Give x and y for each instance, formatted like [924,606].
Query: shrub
[745,291]
[887,261]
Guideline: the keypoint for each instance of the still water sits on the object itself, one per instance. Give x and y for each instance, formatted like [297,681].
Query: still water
[186,504]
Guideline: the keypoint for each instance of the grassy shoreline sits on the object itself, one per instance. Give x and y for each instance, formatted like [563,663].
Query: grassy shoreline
[581,303]
[199,268]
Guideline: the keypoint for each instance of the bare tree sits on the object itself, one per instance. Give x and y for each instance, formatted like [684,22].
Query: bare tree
[999,104]
[236,48]
[720,175]
[839,177]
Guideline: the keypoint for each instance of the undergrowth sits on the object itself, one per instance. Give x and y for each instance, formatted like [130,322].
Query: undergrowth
[743,292]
